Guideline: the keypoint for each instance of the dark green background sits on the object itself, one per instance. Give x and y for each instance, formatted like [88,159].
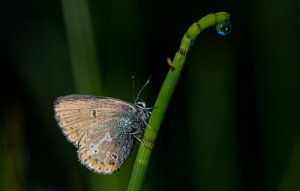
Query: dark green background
[233,122]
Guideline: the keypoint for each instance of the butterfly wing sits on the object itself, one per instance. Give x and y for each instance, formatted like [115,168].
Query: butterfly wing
[103,149]
[100,127]
[77,114]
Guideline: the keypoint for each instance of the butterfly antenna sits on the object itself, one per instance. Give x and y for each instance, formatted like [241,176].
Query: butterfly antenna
[133,77]
[147,82]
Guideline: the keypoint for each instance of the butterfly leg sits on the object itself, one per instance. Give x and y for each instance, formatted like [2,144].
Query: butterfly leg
[141,141]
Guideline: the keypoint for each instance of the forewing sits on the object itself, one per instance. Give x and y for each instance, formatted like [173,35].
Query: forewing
[77,114]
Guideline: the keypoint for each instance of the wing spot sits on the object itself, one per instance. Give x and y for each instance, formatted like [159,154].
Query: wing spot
[85,159]
[94,113]
[112,166]
[101,166]
[108,137]
[93,162]
[114,156]
[73,136]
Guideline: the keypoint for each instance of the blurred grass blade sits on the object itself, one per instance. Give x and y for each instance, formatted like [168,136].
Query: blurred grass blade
[81,46]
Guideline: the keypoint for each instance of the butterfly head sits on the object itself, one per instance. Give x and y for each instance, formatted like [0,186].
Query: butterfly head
[142,109]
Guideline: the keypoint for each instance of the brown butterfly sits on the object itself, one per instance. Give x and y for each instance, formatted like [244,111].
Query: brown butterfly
[103,129]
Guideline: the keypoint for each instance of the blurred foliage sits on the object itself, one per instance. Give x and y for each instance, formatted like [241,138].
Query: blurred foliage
[233,122]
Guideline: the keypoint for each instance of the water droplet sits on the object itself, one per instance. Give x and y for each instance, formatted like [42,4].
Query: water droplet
[223,28]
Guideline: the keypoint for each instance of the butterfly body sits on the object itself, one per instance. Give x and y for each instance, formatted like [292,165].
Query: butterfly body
[103,129]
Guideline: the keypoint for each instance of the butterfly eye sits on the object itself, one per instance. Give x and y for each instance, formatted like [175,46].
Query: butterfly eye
[141,104]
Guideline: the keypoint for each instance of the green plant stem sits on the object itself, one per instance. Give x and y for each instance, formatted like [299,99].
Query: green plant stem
[165,94]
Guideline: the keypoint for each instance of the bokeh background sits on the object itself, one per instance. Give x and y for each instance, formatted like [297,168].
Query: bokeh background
[233,122]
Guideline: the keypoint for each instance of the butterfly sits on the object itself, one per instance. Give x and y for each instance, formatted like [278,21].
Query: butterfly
[103,129]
